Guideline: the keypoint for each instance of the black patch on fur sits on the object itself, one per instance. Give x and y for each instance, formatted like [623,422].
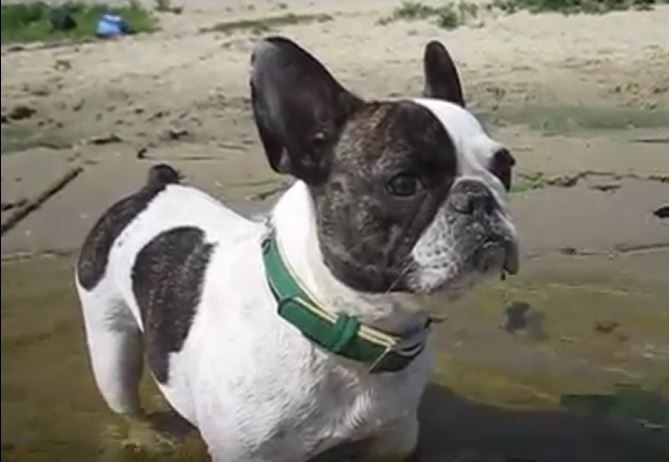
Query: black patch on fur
[167,282]
[162,174]
[94,254]
[502,166]
[298,106]
[366,233]
[662,212]
[441,76]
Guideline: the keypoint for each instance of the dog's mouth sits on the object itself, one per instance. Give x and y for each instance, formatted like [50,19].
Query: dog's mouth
[497,255]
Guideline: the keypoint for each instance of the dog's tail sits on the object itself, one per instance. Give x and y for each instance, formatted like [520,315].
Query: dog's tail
[161,175]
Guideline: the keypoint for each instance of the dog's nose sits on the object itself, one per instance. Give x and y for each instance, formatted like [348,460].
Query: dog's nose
[471,197]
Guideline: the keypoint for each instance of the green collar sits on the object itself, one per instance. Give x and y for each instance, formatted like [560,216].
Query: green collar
[339,333]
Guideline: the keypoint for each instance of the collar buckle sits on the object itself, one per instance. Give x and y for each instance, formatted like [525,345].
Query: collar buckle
[407,347]
[374,367]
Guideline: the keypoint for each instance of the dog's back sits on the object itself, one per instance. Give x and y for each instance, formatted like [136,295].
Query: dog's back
[95,252]
[139,279]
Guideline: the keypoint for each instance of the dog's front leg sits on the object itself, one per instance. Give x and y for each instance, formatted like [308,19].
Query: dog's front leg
[395,442]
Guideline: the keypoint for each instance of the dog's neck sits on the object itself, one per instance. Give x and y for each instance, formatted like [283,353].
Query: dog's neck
[294,222]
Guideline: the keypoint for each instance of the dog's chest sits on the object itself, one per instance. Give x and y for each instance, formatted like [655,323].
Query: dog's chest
[356,405]
[336,404]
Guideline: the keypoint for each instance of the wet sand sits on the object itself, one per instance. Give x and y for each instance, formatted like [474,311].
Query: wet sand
[498,393]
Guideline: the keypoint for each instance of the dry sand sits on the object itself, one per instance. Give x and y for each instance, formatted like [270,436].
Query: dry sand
[184,84]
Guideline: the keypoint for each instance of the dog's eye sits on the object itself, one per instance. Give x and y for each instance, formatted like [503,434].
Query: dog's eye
[403,185]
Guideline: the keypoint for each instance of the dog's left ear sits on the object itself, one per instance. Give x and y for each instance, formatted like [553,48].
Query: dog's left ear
[299,108]
[441,76]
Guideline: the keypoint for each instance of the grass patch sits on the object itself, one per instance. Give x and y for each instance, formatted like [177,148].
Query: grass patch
[566,119]
[558,120]
[17,138]
[451,15]
[628,402]
[447,16]
[32,22]
[573,6]
[165,6]
[263,25]
[528,182]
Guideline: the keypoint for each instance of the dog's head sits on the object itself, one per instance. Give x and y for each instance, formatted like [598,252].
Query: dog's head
[409,195]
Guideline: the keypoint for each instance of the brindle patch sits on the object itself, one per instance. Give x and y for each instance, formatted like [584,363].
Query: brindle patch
[167,280]
[94,254]
[367,233]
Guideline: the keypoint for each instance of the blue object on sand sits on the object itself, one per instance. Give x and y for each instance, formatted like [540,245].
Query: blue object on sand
[111,25]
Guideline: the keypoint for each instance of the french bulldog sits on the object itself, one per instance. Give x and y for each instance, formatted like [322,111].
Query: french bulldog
[280,338]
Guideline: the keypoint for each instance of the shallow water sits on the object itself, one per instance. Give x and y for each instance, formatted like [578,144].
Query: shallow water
[566,362]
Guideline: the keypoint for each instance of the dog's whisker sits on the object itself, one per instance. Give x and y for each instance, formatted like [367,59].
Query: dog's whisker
[399,277]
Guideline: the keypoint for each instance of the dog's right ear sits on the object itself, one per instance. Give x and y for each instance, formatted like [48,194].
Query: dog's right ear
[299,108]
[441,76]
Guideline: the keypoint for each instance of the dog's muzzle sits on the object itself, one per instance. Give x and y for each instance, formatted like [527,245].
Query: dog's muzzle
[499,248]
